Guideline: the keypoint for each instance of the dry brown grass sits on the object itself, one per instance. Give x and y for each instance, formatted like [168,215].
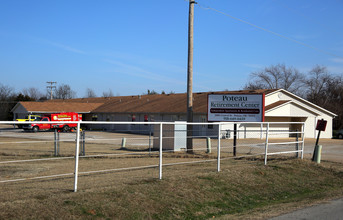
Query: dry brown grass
[244,188]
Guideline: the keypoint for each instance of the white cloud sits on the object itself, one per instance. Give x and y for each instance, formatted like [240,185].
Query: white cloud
[44,41]
[140,72]
[65,47]
[335,69]
[303,37]
[148,62]
[337,60]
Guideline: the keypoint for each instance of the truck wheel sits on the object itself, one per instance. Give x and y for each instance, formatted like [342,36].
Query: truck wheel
[65,128]
[35,129]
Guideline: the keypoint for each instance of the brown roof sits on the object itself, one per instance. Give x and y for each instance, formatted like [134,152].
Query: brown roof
[84,100]
[276,104]
[59,107]
[166,103]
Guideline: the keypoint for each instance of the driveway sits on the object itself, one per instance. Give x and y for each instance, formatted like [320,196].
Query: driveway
[332,149]
[332,210]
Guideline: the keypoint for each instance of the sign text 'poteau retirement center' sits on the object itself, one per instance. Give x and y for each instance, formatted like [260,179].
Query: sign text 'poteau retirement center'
[234,107]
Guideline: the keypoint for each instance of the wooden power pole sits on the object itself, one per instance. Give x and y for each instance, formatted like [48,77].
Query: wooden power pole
[51,87]
[190,78]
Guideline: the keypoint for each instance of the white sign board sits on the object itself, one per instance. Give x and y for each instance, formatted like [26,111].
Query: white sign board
[236,107]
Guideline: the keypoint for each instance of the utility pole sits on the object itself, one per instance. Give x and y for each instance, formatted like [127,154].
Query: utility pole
[190,78]
[51,87]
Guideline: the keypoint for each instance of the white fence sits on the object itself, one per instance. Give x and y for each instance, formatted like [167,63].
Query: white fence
[158,144]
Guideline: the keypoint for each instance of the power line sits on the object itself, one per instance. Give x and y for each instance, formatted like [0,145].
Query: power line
[272,32]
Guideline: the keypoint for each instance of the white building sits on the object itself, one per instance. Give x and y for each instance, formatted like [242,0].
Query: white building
[280,106]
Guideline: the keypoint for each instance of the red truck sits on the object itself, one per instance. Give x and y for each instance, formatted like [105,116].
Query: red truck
[59,117]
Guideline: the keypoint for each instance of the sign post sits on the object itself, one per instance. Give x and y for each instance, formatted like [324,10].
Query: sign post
[321,126]
[234,139]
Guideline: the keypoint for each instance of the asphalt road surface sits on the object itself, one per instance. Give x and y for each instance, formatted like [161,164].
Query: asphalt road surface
[332,210]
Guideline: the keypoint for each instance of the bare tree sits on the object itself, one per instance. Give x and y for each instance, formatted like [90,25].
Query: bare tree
[90,93]
[150,92]
[64,92]
[276,77]
[335,99]
[326,90]
[33,92]
[316,85]
[107,94]
[7,96]
[6,92]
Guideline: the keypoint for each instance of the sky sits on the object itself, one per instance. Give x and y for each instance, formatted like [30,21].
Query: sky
[129,47]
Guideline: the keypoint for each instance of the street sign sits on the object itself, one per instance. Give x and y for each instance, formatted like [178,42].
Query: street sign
[321,125]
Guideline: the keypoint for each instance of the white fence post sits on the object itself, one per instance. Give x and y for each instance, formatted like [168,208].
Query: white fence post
[76,171]
[160,153]
[303,140]
[218,148]
[266,145]
[261,131]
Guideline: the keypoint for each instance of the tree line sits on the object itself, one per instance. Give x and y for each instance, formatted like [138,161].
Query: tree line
[9,97]
[318,86]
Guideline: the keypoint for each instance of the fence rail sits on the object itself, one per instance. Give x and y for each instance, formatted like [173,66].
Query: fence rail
[159,141]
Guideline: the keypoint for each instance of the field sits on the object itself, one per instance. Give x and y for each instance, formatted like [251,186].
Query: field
[243,188]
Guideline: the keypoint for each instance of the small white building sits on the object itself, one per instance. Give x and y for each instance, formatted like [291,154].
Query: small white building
[282,105]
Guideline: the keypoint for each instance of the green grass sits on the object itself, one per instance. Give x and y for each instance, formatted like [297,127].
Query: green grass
[218,194]
[242,187]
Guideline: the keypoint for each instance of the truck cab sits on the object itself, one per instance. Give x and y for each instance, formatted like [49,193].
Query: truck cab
[28,118]
[36,127]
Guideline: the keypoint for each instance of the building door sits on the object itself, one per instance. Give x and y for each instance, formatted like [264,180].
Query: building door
[296,127]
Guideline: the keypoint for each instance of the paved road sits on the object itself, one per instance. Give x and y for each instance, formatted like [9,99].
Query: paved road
[332,149]
[332,210]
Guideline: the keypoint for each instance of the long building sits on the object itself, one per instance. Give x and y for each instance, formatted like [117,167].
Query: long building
[280,106]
